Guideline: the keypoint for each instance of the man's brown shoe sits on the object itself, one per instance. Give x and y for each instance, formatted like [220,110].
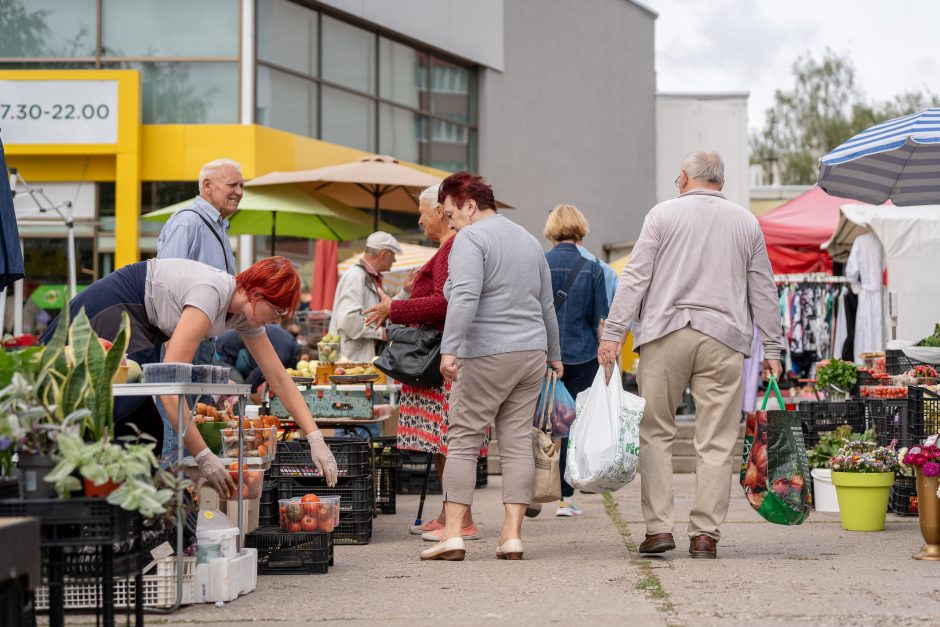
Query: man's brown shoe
[657,543]
[703,547]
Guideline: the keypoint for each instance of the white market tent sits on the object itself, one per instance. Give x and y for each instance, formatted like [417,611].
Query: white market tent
[910,237]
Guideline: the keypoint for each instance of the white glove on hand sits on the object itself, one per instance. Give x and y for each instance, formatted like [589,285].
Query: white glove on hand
[215,473]
[322,457]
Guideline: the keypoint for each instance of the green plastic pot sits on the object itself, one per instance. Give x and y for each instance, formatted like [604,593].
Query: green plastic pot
[863,499]
[211,432]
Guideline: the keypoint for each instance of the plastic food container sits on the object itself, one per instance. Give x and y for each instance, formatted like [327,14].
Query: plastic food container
[224,539]
[328,352]
[220,374]
[252,479]
[167,373]
[292,513]
[258,442]
[331,502]
[202,374]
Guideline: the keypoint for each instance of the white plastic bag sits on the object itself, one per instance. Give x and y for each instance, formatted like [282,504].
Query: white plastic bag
[604,441]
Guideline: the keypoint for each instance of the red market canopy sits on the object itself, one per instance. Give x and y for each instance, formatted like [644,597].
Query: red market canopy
[795,230]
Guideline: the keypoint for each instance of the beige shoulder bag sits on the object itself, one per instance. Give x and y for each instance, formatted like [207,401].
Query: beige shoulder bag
[546,487]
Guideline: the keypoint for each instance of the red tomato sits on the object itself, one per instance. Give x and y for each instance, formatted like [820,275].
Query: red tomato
[326,526]
[311,509]
[294,512]
[326,512]
[310,498]
[294,526]
[105,344]
[308,523]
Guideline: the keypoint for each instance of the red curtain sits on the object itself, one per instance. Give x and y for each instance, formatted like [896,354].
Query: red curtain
[325,276]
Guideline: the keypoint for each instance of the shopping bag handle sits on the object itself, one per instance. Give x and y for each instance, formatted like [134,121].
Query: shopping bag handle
[772,385]
[550,382]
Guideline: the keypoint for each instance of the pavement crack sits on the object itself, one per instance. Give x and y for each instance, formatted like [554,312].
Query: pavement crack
[648,581]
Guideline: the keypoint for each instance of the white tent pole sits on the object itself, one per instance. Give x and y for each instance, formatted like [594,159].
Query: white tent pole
[18,307]
[73,273]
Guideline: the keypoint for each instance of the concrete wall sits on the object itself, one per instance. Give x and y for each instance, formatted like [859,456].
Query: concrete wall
[571,119]
[685,122]
[470,29]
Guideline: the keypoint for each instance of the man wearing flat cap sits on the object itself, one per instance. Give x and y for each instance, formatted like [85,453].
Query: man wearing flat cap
[357,291]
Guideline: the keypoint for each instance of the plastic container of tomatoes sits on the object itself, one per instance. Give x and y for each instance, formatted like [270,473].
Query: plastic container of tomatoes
[252,480]
[259,442]
[308,514]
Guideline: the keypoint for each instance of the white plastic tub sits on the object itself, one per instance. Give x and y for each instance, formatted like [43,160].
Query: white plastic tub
[824,491]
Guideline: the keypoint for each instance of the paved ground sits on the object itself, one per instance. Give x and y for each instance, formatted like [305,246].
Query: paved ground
[583,570]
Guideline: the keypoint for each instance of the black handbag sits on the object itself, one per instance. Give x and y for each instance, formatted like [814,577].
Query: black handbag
[412,356]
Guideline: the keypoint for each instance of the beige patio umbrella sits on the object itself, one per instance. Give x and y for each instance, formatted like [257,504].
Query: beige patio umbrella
[374,181]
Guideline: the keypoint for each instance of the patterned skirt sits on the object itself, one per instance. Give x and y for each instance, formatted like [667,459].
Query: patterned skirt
[422,423]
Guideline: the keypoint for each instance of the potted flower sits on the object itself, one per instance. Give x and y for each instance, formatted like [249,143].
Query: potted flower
[836,378]
[925,460]
[830,443]
[63,387]
[863,474]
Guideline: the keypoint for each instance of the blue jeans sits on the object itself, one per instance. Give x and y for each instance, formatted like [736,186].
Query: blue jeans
[204,355]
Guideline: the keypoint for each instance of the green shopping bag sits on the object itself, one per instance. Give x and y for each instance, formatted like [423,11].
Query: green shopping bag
[774,470]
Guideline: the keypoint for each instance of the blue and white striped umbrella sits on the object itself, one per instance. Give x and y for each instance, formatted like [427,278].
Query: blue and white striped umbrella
[897,160]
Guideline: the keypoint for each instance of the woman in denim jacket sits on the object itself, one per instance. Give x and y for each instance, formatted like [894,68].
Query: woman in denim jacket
[579,314]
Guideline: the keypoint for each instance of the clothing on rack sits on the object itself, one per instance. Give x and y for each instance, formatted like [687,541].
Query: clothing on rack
[865,269]
[809,313]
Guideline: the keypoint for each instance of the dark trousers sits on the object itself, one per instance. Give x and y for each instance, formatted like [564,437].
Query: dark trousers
[577,378]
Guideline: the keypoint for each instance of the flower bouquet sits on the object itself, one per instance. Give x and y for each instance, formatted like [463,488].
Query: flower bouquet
[925,460]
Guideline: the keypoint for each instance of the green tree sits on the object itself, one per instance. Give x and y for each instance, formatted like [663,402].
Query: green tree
[22,34]
[824,108]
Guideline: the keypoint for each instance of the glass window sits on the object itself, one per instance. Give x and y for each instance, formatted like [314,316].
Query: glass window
[348,119]
[286,102]
[453,91]
[188,93]
[403,134]
[287,35]
[450,146]
[348,55]
[402,74]
[159,194]
[47,28]
[169,28]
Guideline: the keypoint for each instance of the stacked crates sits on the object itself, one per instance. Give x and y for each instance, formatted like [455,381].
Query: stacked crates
[295,475]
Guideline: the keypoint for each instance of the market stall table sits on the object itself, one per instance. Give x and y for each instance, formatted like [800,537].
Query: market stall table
[182,390]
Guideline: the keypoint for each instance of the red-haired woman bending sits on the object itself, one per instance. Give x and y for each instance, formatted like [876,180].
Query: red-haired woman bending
[181,302]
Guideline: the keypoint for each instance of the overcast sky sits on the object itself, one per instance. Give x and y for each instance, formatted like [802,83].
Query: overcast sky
[750,45]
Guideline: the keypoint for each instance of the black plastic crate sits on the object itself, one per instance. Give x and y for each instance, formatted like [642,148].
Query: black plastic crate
[824,416]
[16,604]
[76,522]
[357,494]
[385,452]
[267,505]
[903,499]
[281,553]
[896,362]
[384,479]
[353,458]
[923,414]
[410,475]
[353,528]
[888,417]
[9,489]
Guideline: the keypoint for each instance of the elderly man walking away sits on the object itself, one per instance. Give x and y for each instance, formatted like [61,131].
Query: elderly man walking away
[199,232]
[698,276]
[358,290]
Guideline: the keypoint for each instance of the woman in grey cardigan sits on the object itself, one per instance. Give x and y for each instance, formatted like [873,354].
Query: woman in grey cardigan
[500,332]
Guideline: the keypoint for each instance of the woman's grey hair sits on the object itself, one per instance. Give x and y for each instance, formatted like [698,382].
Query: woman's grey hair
[429,195]
[212,167]
[704,165]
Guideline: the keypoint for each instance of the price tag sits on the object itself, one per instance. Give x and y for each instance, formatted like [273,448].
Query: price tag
[931,440]
[164,550]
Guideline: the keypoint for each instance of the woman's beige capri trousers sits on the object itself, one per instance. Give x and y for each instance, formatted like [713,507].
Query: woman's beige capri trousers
[502,389]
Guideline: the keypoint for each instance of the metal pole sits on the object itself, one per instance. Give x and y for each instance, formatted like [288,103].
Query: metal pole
[375,220]
[180,519]
[73,273]
[241,456]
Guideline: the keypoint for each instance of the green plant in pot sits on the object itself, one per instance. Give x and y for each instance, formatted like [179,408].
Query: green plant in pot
[129,472]
[836,378]
[863,474]
[829,444]
[62,387]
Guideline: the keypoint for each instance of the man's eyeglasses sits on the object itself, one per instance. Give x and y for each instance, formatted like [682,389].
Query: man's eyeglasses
[677,180]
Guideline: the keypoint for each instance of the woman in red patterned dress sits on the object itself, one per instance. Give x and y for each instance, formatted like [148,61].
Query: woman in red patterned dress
[422,424]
